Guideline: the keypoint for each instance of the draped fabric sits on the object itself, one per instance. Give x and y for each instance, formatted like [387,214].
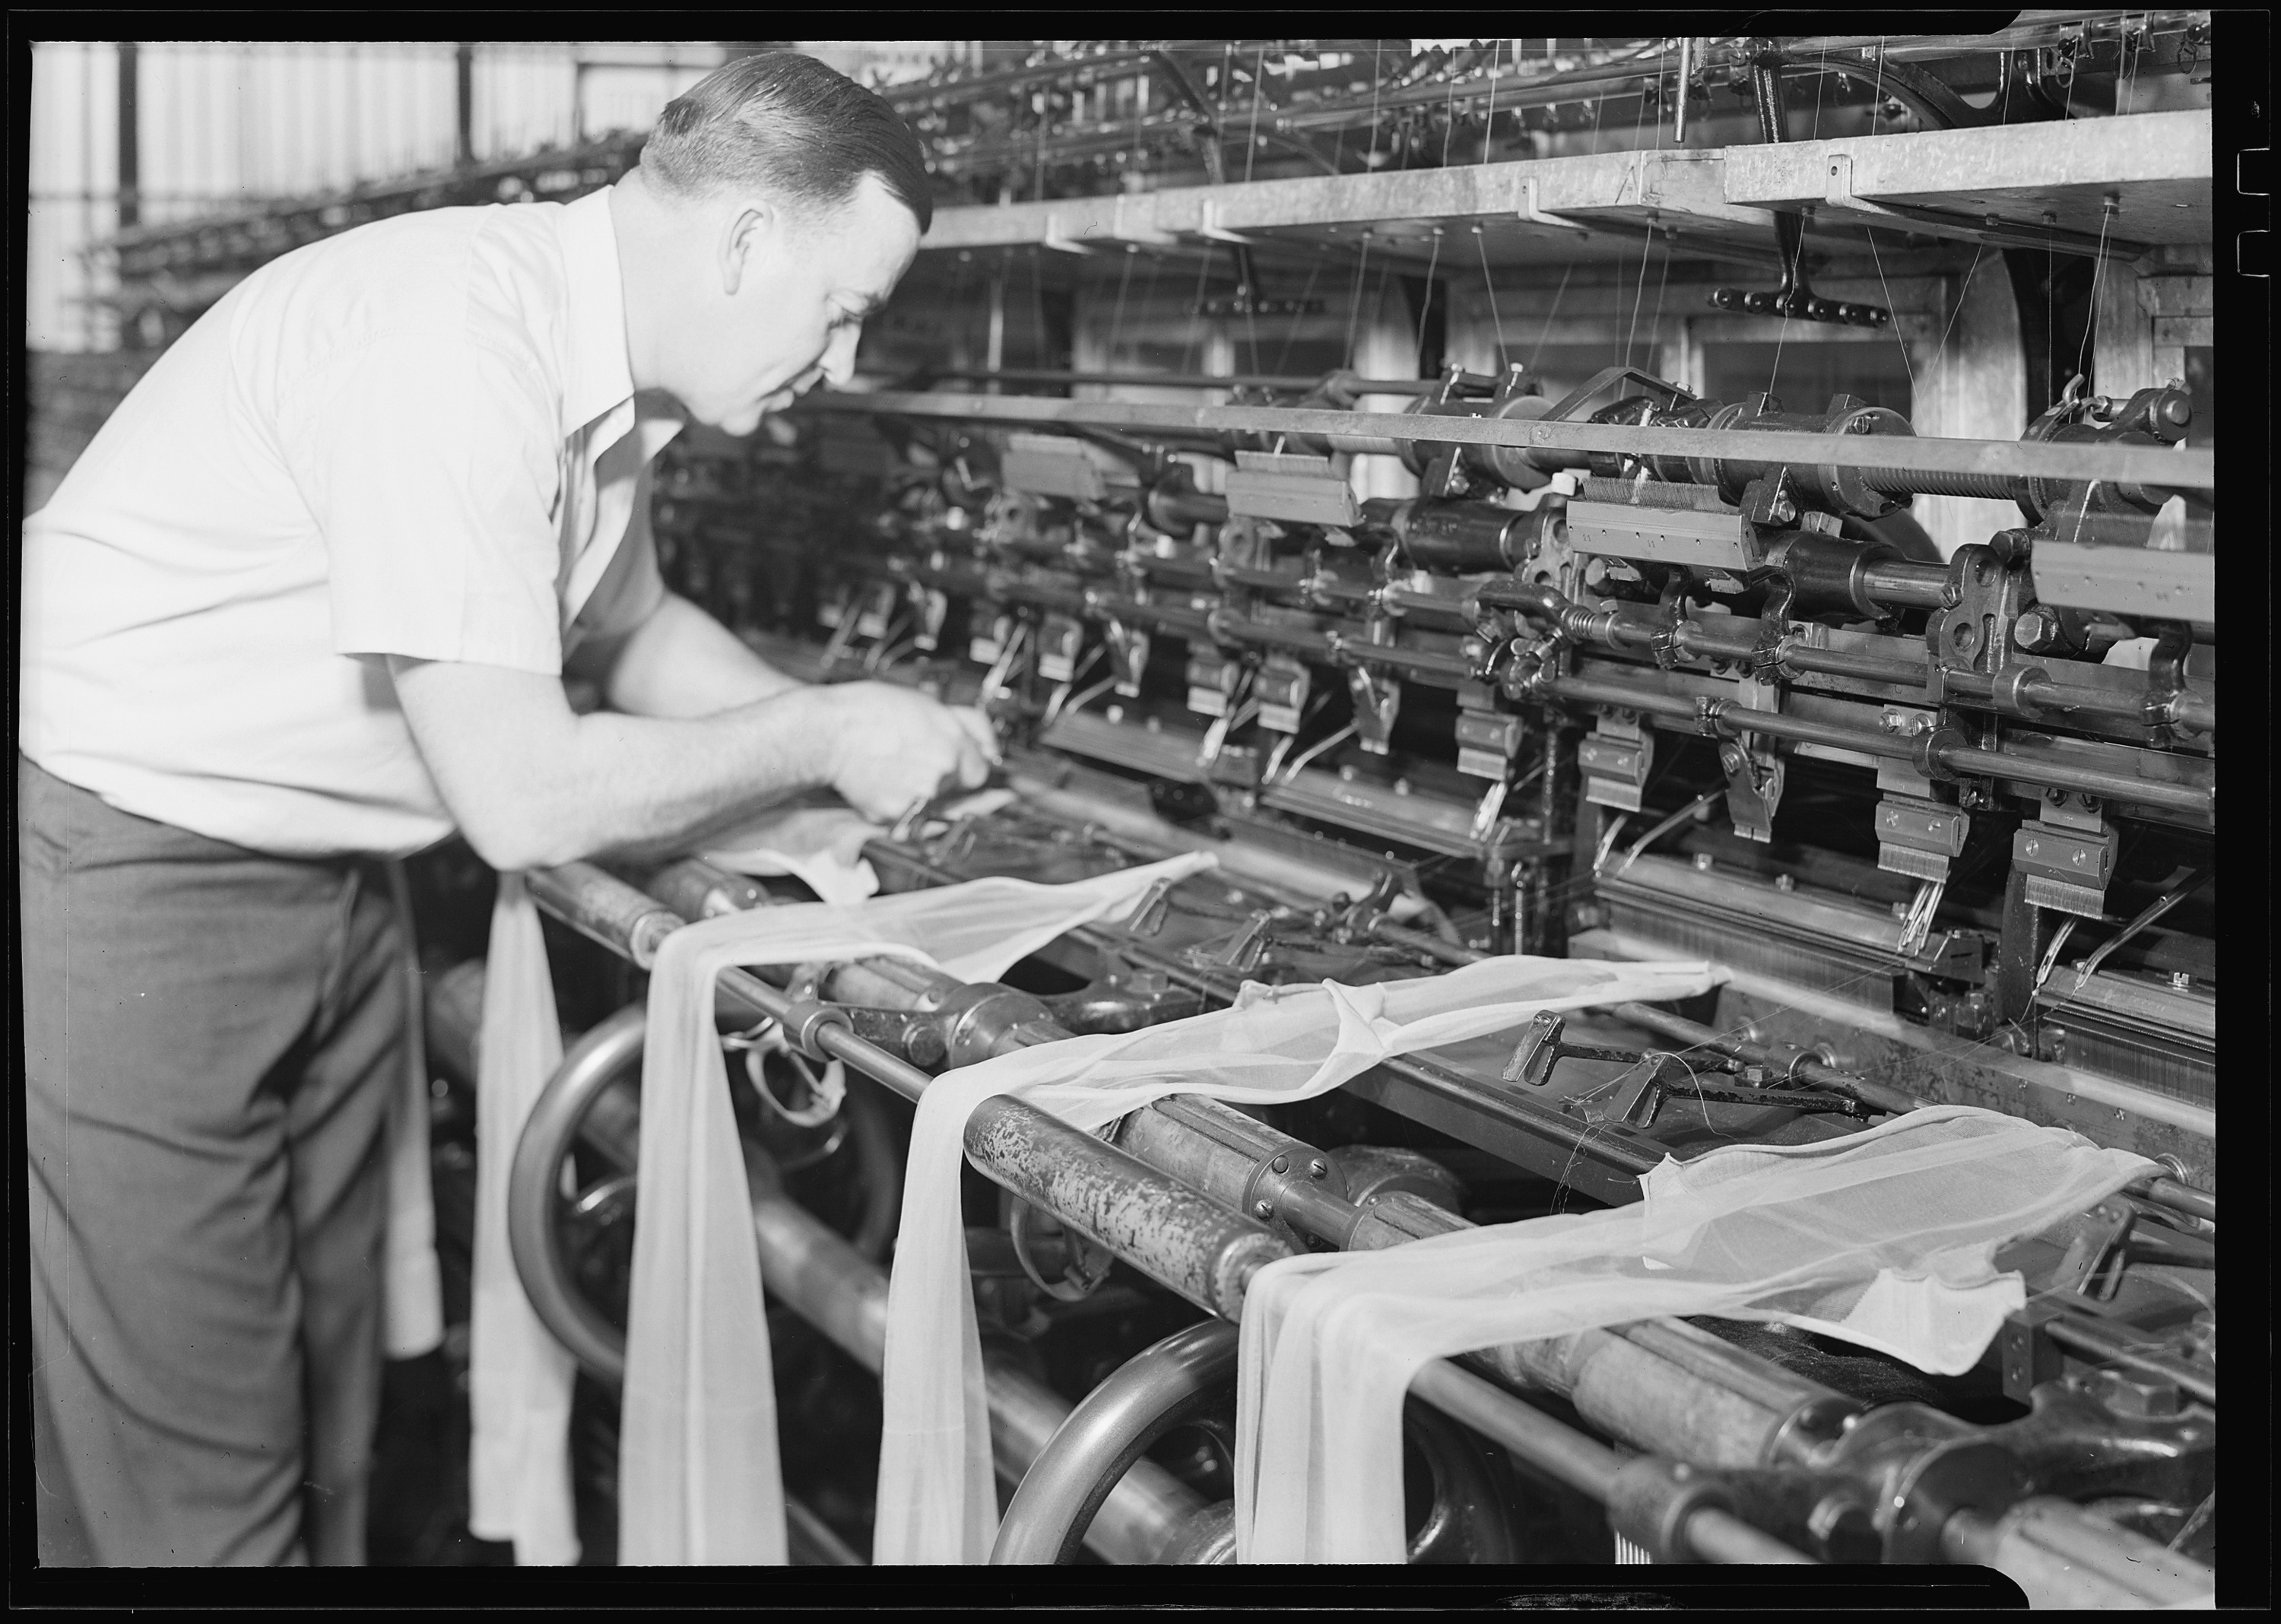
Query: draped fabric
[519,1376]
[411,1284]
[819,841]
[1884,1238]
[820,846]
[697,1478]
[936,1503]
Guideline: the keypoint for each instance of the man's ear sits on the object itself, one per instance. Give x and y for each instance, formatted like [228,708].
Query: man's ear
[741,242]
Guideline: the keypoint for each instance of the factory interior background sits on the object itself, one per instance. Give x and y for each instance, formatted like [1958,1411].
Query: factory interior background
[1139,460]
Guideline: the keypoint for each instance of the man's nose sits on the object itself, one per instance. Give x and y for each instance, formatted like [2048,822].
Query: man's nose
[839,364]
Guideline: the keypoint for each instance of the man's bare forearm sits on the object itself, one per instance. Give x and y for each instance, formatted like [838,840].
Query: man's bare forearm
[532,784]
[680,662]
[636,783]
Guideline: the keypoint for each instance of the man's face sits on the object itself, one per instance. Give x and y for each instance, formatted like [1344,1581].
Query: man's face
[795,293]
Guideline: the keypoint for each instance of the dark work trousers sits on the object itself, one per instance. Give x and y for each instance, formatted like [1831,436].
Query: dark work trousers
[209,1037]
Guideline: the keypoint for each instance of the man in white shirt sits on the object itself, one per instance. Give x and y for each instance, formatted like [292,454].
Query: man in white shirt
[306,602]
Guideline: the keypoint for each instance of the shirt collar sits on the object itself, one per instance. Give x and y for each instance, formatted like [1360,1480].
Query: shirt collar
[599,374]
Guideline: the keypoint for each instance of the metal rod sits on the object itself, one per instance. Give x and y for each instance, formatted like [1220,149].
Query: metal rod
[1881,1096]
[2063,1557]
[1580,1461]
[1179,380]
[2170,468]
[1922,587]
[1963,759]
[1864,667]
[604,909]
[2186,1198]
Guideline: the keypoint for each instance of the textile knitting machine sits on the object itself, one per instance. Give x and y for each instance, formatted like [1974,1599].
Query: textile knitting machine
[1907,726]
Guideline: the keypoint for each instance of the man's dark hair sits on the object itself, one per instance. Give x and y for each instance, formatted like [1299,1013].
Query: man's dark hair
[783,123]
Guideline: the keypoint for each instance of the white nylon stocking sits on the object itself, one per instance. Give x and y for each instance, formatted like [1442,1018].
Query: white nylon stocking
[1885,1238]
[698,1477]
[820,846]
[936,1503]
[519,1376]
[412,1283]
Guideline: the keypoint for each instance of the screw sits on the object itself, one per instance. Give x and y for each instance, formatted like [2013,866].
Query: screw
[2181,979]
[1281,1165]
[1784,882]
[1319,1169]
[1262,1207]
[1703,863]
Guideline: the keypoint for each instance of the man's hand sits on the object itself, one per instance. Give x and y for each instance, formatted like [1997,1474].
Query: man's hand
[893,749]
[531,784]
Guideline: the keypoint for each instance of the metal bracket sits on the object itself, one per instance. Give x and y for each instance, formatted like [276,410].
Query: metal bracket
[2099,1237]
[1484,815]
[1242,951]
[1147,917]
[1615,767]
[1534,213]
[1754,790]
[1128,648]
[993,683]
[1377,703]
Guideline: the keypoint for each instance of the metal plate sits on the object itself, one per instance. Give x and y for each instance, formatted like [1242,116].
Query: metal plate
[2128,580]
[1047,465]
[1303,498]
[1662,534]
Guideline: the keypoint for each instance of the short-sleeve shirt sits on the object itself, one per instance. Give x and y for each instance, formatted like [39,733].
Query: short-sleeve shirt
[420,437]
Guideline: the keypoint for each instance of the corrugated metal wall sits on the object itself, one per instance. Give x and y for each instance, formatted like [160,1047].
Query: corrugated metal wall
[224,126]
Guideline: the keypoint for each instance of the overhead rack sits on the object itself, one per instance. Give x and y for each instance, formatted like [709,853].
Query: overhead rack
[2118,186]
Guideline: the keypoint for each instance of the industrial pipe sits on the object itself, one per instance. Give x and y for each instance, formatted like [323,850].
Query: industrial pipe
[1152,1392]
[1914,461]
[2062,1560]
[1704,1532]
[1922,586]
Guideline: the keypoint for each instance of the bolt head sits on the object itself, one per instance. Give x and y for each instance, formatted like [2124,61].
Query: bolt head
[1281,1164]
[1319,1168]
[1263,1209]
